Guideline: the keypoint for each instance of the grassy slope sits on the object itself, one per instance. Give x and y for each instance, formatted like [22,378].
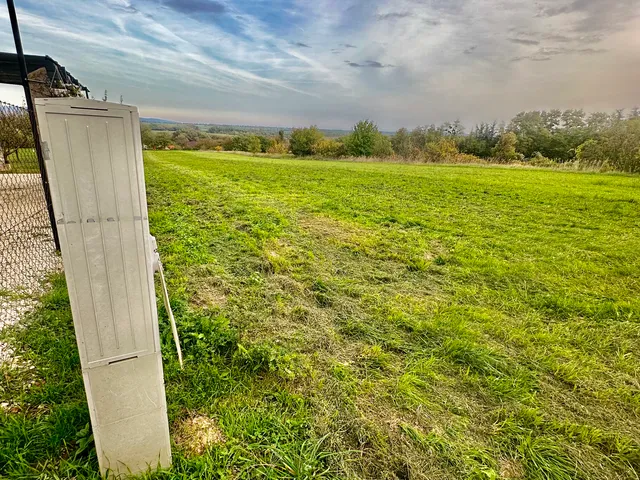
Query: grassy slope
[379,321]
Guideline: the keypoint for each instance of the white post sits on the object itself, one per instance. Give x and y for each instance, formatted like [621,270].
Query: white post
[93,158]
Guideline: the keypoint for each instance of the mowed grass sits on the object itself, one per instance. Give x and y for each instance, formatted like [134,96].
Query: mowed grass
[354,320]
[25,160]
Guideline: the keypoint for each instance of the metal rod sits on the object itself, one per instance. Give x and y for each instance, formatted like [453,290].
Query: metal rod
[32,117]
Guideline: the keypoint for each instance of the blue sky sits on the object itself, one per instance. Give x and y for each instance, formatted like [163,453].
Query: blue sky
[333,62]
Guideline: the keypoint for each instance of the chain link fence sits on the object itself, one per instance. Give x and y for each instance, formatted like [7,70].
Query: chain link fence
[27,250]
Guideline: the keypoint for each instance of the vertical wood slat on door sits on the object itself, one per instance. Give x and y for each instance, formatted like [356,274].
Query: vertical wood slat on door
[104,227]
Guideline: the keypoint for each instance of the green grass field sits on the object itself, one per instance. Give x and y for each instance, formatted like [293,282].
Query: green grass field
[22,161]
[366,320]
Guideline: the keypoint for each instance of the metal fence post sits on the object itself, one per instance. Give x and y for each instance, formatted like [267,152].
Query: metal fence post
[32,117]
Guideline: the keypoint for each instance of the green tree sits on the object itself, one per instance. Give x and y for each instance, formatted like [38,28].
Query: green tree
[207,143]
[243,143]
[180,139]
[265,143]
[618,116]
[190,132]
[418,139]
[161,140]
[573,118]
[15,132]
[480,140]
[598,122]
[401,143]
[382,146]
[361,142]
[303,140]
[253,144]
[552,119]
[621,146]
[590,153]
[530,131]
[617,148]
[146,135]
[473,145]
[455,129]
[505,149]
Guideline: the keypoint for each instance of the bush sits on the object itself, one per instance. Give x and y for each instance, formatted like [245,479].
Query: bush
[474,145]
[591,154]
[620,146]
[265,143]
[505,149]
[467,158]
[539,160]
[441,150]
[253,144]
[329,148]
[161,140]
[278,147]
[243,143]
[382,146]
[617,148]
[207,144]
[303,140]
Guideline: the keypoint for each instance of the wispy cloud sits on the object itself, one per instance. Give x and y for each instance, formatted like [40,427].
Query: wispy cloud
[367,64]
[394,15]
[544,54]
[195,7]
[524,41]
[284,62]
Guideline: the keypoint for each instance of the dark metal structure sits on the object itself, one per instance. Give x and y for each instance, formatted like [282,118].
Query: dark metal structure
[10,71]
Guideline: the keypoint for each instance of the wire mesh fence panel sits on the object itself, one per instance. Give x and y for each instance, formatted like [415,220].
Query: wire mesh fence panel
[27,250]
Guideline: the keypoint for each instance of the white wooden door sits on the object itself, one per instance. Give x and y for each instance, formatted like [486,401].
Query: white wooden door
[93,159]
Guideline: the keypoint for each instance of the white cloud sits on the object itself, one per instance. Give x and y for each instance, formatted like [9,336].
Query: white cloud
[444,59]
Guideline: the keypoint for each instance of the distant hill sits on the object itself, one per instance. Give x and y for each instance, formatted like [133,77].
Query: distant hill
[156,120]
[170,125]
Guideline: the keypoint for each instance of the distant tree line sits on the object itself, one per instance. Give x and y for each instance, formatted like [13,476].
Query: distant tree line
[232,130]
[600,140]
